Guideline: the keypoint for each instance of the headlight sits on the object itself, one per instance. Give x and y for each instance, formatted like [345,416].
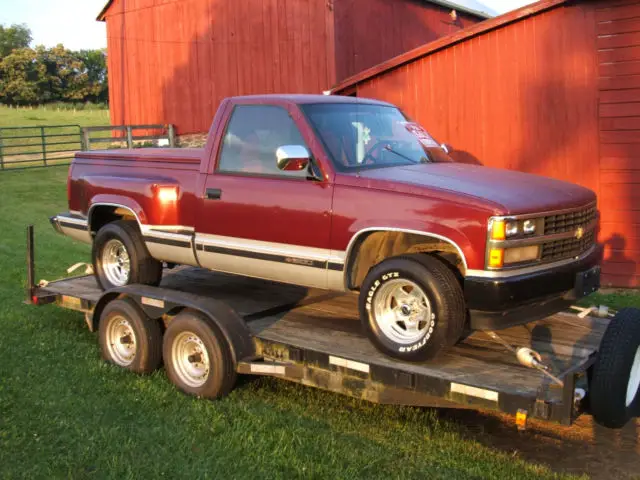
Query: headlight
[511,229]
[529,227]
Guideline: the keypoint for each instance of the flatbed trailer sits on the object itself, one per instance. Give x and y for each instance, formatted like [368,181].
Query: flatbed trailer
[314,337]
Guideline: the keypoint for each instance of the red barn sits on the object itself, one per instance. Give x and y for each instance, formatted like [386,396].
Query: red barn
[553,88]
[172,61]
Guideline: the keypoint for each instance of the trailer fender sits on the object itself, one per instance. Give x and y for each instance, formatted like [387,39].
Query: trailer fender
[157,301]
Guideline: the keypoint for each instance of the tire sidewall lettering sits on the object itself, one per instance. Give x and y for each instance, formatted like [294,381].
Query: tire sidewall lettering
[390,275]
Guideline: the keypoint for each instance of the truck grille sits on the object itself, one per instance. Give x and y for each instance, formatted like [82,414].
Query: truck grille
[567,222]
[567,248]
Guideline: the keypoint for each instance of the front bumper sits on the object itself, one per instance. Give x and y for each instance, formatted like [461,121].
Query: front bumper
[496,303]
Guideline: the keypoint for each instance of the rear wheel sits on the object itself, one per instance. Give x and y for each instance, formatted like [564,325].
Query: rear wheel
[412,307]
[615,381]
[197,357]
[120,257]
[128,338]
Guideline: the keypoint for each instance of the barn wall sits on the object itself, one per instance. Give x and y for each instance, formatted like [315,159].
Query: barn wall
[370,31]
[173,61]
[618,45]
[523,97]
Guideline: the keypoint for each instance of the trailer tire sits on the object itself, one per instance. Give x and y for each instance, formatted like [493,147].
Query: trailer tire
[614,397]
[197,356]
[133,263]
[128,338]
[407,325]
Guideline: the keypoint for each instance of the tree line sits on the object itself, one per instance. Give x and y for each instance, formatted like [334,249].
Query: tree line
[40,75]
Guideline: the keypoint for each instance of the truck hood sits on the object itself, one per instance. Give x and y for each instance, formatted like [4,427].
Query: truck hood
[509,191]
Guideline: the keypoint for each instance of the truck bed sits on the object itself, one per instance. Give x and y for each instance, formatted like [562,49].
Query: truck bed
[327,323]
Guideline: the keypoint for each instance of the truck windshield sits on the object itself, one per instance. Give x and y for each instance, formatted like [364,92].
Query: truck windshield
[358,136]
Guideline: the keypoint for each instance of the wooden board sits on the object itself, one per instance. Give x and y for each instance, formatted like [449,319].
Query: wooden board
[327,322]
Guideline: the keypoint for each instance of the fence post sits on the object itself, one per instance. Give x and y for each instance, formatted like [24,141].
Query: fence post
[1,154]
[84,139]
[129,137]
[44,147]
[172,135]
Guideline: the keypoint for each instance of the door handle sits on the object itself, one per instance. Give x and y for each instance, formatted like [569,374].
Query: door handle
[213,193]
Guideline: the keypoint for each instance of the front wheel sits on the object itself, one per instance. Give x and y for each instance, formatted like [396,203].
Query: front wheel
[412,307]
[120,257]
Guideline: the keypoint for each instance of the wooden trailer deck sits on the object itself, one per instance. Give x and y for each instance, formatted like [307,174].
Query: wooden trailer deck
[325,326]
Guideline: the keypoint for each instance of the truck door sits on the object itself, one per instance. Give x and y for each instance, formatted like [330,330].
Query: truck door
[257,220]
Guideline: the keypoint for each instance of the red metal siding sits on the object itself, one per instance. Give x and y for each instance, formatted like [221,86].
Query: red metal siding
[371,31]
[522,96]
[618,43]
[173,61]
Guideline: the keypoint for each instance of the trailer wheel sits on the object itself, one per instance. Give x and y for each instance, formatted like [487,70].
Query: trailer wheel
[128,338]
[412,307]
[615,380]
[197,357]
[120,257]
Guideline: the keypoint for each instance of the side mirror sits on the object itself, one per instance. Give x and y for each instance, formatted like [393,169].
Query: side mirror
[446,148]
[292,158]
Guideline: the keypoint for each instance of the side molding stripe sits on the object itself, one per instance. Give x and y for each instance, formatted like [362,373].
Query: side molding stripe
[303,262]
[167,241]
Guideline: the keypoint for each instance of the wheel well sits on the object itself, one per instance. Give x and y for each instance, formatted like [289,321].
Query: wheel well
[373,247]
[103,214]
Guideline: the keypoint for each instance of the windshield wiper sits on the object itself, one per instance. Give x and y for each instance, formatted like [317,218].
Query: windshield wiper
[402,155]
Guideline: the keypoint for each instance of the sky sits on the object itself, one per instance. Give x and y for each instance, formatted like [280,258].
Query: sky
[73,22]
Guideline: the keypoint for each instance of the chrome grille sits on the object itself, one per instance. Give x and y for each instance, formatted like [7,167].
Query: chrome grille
[567,248]
[567,222]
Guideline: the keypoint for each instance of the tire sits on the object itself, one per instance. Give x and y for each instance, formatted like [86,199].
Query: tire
[440,310]
[124,237]
[614,398]
[128,338]
[197,357]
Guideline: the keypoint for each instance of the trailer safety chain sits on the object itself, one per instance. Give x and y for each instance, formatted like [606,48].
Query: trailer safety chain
[525,356]
[601,311]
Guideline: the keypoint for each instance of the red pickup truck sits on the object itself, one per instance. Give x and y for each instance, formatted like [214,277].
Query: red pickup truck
[343,194]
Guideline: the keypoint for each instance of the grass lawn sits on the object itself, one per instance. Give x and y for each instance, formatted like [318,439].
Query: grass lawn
[65,413]
[36,116]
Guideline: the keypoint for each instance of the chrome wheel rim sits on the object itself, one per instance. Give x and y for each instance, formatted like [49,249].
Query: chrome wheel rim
[116,263]
[190,359]
[121,341]
[402,311]
[634,379]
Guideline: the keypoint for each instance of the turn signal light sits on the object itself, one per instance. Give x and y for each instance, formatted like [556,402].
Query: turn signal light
[498,230]
[496,257]
[167,194]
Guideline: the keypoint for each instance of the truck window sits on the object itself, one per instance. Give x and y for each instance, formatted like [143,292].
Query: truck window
[251,139]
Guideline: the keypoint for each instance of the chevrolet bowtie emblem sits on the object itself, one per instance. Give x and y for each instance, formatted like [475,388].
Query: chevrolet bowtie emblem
[579,233]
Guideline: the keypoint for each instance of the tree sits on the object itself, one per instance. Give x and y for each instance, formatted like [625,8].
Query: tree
[13,38]
[19,77]
[95,64]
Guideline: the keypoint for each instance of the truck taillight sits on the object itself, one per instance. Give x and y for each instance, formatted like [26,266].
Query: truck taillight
[167,195]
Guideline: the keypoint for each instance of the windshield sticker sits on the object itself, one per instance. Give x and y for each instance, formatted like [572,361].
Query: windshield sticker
[421,134]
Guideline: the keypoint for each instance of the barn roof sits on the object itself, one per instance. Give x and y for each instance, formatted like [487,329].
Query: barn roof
[472,7]
[449,40]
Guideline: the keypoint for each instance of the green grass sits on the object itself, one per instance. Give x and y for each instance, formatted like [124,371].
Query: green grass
[36,116]
[65,413]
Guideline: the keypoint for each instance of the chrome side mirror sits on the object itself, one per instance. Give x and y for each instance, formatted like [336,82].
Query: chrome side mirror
[292,158]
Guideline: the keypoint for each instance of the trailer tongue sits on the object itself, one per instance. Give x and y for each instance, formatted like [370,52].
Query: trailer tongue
[313,337]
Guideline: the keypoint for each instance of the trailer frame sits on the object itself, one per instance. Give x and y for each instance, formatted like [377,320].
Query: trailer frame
[305,339]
